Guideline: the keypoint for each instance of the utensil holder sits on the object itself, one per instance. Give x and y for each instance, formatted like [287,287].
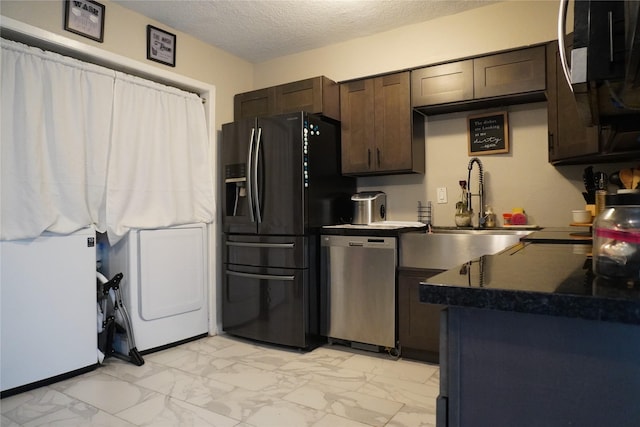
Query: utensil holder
[424,213]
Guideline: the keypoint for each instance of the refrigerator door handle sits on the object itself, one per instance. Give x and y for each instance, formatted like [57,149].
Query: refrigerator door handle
[260,276]
[262,245]
[256,194]
[249,162]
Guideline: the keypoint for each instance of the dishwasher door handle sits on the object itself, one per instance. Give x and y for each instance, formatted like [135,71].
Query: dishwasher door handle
[356,244]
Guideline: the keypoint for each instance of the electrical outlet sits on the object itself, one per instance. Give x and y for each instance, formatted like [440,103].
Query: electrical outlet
[442,194]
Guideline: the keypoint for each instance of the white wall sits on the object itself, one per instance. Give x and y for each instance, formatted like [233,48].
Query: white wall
[498,26]
[125,34]
[522,178]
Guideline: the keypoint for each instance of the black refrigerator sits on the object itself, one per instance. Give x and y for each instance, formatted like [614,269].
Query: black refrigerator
[282,183]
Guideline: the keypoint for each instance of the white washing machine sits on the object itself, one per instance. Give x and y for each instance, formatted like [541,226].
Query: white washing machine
[47,309]
[165,284]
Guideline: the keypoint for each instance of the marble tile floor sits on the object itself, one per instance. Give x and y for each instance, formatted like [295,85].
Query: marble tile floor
[225,381]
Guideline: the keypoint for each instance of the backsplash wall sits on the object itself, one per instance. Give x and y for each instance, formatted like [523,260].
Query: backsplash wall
[521,178]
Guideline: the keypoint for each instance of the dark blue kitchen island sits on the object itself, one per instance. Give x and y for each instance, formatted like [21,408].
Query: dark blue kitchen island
[531,338]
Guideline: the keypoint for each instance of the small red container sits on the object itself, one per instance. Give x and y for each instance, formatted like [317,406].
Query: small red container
[518,219]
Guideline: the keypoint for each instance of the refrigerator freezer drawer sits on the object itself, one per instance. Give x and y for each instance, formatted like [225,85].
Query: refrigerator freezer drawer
[267,304]
[272,251]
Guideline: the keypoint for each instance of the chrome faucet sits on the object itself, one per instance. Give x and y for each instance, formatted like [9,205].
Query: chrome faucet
[480,194]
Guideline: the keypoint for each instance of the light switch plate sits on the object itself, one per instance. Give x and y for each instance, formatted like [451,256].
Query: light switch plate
[442,194]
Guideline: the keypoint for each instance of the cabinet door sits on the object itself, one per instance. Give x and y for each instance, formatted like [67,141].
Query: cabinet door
[568,136]
[315,95]
[418,323]
[508,73]
[257,103]
[441,84]
[392,120]
[356,106]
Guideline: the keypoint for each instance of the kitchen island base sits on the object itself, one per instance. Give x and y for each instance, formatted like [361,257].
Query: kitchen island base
[501,368]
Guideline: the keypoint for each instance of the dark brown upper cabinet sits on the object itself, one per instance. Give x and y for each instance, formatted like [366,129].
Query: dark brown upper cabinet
[512,77]
[256,103]
[380,132]
[441,84]
[509,73]
[315,95]
[569,137]
[571,141]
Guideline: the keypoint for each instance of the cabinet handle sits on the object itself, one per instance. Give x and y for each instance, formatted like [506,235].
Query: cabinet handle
[378,154]
[610,36]
[551,144]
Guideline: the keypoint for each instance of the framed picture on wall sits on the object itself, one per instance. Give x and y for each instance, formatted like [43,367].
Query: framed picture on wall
[84,17]
[488,133]
[161,46]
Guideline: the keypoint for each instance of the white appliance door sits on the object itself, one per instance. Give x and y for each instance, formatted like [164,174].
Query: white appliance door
[48,307]
[172,272]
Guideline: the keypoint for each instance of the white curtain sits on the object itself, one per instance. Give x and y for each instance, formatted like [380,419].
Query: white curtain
[56,119]
[158,174]
[83,145]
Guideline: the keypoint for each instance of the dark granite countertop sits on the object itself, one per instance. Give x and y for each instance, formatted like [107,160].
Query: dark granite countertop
[560,235]
[546,279]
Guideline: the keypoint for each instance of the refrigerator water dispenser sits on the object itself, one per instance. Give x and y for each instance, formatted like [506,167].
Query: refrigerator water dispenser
[236,189]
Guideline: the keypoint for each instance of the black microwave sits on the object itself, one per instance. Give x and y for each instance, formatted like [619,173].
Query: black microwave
[603,65]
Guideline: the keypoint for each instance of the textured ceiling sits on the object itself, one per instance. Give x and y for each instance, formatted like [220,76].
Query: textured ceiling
[260,30]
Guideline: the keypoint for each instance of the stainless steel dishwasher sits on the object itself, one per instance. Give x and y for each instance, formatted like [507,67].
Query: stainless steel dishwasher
[358,290]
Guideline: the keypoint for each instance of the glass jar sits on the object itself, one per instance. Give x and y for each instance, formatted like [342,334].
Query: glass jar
[463,218]
[463,213]
[490,218]
[616,238]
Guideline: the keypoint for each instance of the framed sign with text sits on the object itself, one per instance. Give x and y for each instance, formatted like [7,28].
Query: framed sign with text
[84,17]
[488,133]
[161,46]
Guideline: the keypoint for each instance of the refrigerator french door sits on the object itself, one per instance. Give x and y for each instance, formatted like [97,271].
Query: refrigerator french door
[282,182]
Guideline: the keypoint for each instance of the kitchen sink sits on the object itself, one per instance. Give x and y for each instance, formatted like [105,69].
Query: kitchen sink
[508,231]
[446,248]
[380,225]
